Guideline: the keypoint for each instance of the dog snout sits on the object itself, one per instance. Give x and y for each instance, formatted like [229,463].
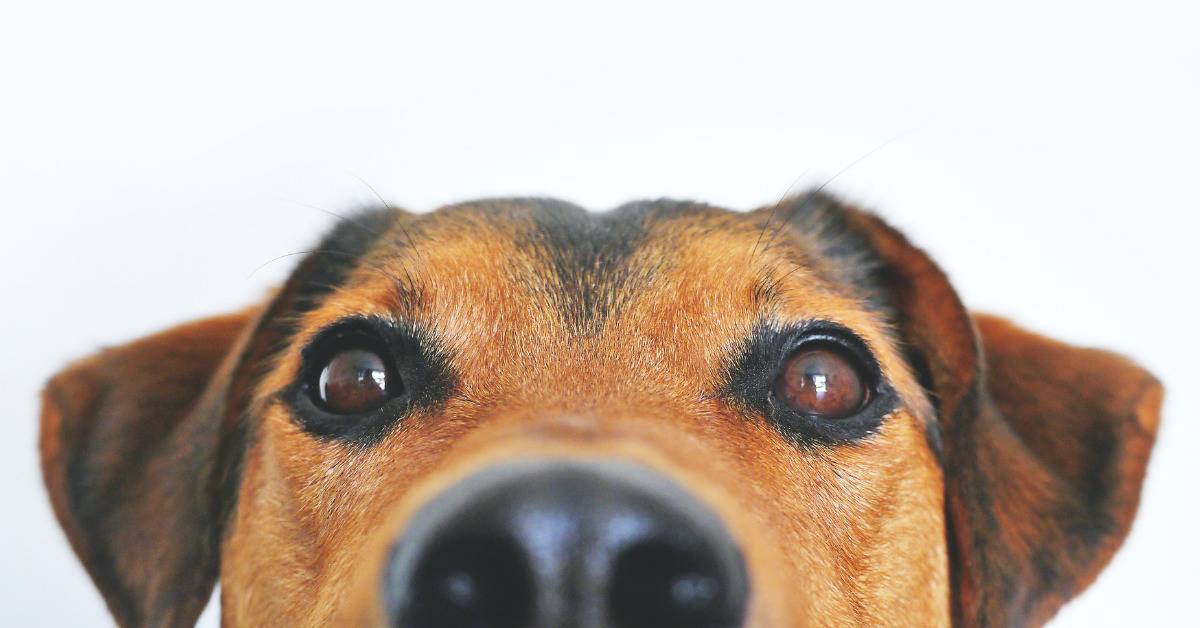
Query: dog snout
[558,543]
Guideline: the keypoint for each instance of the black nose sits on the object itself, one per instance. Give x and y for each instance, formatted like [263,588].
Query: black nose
[566,544]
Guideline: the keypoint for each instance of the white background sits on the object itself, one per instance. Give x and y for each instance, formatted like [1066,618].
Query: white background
[153,156]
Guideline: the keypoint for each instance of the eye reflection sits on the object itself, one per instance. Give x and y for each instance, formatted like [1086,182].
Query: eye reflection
[353,382]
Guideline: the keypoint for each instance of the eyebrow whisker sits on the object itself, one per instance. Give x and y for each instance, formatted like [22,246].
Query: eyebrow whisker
[408,282]
[821,188]
[348,219]
[281,257]
[412,243]
[370,187]
[787,193]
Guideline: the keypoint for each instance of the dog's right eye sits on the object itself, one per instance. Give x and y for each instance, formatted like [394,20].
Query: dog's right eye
[355,381]
[823,381]
[361,376]
[350,370]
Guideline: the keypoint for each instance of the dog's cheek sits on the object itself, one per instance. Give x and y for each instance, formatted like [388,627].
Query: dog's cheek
[268,569]
[862,524]
[309,506]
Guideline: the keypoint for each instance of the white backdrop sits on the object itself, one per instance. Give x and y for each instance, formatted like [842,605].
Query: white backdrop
[151,157]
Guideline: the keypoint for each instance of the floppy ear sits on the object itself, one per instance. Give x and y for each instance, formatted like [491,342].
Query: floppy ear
[1044,445]
[131,442]
[142,444]
[1061,438]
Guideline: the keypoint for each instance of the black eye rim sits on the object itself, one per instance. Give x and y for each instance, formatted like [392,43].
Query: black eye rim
[755,371]
[415,361]
[866,420]
[311,411]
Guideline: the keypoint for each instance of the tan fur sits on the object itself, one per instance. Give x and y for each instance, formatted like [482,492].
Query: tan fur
[860,528]
[837,536]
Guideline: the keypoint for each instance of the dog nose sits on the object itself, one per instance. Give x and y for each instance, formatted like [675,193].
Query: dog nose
[565,544]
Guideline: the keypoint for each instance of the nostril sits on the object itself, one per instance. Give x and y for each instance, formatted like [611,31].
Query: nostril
[655,583]
[553,543]
[471,581]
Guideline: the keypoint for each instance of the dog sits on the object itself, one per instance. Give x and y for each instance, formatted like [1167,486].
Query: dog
[515,412]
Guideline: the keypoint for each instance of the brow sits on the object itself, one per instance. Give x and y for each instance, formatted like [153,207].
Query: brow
[586,257]
[324,270]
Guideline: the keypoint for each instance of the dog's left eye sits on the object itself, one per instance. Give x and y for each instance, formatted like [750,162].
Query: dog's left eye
[356,381]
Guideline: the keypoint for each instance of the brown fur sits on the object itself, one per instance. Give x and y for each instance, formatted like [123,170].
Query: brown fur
[1000,487]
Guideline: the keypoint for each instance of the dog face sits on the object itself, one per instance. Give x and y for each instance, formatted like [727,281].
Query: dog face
[517,413]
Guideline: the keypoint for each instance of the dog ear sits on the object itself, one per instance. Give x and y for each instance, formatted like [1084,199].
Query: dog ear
[130,446]
[1060,439]
[142,444]
[1044,445]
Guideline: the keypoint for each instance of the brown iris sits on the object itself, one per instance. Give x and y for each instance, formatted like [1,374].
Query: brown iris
[823,381]
[354,381]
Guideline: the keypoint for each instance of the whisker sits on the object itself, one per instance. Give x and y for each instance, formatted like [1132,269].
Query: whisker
[343,217]
[408,282]
[775,208]
[276,259]
[403,230]
[412,243]
[813,193]
[370,187]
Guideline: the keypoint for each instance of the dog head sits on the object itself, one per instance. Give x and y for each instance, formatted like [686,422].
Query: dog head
[517,413]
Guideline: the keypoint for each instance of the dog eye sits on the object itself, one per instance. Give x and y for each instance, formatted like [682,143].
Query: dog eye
[355,381]
[823,380]
[361,376]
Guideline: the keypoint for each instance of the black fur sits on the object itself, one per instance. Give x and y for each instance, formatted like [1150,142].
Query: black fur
[589,256]
[854,262]
[327,267]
